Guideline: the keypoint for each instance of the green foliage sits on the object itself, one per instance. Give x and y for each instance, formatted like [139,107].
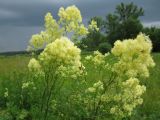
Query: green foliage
[92,40]
[104,47]
[94,37]
[148,111]
[154,34]
[124,23]
[126,11]
[125,30]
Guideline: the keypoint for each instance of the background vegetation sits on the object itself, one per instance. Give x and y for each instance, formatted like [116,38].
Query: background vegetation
[122,24]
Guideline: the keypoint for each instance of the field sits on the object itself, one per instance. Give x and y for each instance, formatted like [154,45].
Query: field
[150,110]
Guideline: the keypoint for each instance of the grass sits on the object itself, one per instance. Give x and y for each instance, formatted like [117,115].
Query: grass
[9,64]
[151,106]
[150,109]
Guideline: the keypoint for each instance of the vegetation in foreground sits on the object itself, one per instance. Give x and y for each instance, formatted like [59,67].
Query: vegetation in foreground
[149,110]
[59,85]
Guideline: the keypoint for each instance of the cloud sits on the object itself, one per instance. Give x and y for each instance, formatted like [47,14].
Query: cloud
[16,38]
[152,24]
[32,11]
[8,14]
[19,19]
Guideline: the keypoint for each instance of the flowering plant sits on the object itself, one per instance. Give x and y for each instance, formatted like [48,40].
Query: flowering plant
[68,84]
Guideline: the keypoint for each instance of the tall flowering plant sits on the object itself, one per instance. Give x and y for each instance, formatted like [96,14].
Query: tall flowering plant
[67,84]
[119,92]
[60,58]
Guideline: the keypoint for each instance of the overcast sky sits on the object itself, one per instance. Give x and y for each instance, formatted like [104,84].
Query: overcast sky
[19,19]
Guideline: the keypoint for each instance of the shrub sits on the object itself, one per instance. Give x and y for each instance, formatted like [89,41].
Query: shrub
[104,47]
[154,34]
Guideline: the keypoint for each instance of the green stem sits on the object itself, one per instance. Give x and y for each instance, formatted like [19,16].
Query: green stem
[48,99]
[111,80]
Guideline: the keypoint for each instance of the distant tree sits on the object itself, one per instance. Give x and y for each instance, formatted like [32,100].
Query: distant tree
[94,38]
[126,11]
[154,34]
[124,22]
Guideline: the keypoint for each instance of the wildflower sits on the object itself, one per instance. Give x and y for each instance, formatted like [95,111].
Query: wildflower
[71,13]
[26,85]
[61,51]
[36,41]
[134,56]
[91,89]
[129,97]
[93,26]
[34,65]
[88,57]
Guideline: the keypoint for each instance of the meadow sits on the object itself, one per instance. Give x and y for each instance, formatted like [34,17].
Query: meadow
[149,110]
[63,83]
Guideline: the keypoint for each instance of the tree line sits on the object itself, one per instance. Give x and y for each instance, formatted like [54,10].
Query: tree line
[122,24]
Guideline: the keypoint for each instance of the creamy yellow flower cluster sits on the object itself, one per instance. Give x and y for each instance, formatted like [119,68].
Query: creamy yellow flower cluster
[25,85]
[61,51]
[36,40]
[98,59]
[93,26]
[61,55]
[71,13]
[134,61]
[52,29]
[119,91]
[52,32]
[70,21]
[134,56]
[98,86]
[128,98]
[34,65]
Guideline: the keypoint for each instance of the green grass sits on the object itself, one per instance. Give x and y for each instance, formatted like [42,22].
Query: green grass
[150,110]
[9,64]
[151,106]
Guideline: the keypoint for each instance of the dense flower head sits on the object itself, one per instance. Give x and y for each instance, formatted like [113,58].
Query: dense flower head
[98,86]
[81,30]
[49,21]
[134,56]
[36,41]
[93,26]
[98,59]
[61,51]
[62,56]
[52,32]
[71,21]
[128,98]
[34,65]
[52,28]
[69,14]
